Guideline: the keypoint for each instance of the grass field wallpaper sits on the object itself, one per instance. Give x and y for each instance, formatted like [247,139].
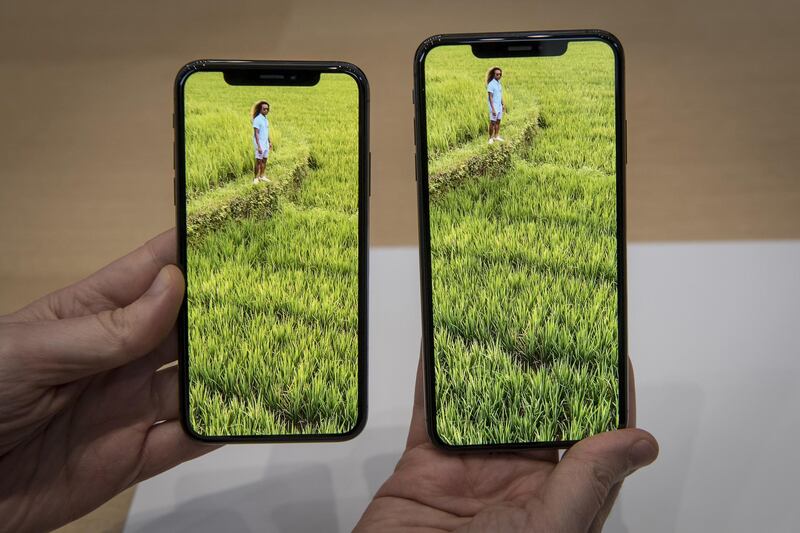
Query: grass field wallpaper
[272,264]
[523,246]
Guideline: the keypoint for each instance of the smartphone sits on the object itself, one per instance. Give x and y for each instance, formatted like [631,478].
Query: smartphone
[521,173]
[271,189]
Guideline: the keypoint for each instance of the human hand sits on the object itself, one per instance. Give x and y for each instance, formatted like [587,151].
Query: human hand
[85,411]
[532,491]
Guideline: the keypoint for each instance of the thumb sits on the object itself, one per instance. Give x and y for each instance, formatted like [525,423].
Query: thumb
[60,351]
[581,483]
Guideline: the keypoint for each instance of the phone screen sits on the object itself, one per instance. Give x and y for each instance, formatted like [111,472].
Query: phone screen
[273,252]
[525,244]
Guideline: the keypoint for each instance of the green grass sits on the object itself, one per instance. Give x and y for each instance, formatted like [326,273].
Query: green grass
[273,292]
[524,260]
[457,104]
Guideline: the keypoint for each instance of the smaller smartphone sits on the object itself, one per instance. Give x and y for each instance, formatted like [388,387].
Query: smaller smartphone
[521,178]
[271,190]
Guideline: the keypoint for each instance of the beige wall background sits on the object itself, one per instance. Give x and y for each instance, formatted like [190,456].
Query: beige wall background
[86,138]
[86,142]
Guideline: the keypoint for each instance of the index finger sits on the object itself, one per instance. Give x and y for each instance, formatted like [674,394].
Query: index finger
[116,285]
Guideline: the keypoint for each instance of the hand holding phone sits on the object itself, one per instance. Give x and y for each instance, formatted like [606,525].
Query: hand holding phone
[581,487]
[82,389]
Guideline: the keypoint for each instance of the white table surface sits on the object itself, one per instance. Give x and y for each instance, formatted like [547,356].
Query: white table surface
[714,336]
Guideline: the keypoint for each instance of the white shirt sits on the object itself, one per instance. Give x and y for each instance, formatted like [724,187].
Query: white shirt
[496,89]
[262,124]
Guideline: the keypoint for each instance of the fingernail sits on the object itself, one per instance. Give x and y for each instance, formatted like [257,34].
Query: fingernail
[642,453]
[161,283]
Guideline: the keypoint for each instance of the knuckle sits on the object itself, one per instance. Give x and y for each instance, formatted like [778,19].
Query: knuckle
[116,328]
[602,479]
[152,253]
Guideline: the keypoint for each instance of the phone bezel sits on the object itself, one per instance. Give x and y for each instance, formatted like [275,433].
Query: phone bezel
[273,67]
[421,167]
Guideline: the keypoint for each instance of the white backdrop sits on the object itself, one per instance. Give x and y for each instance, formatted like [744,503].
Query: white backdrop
[713,331]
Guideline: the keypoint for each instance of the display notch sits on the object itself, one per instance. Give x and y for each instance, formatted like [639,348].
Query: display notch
[527,48]
[292,77]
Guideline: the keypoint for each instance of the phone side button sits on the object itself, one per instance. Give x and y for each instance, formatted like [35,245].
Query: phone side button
[416,164]
[369,173]
[174,191]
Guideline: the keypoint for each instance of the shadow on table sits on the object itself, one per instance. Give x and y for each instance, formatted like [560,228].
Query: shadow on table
[295,493]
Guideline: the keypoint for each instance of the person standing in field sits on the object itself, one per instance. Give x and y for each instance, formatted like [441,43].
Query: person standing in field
[262,141]
[497,105]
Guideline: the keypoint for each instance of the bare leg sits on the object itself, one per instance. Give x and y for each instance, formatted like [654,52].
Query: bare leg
[259,169]
[493,129]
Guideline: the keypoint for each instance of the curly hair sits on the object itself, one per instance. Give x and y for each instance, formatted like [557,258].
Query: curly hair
[256,110]
[489,74]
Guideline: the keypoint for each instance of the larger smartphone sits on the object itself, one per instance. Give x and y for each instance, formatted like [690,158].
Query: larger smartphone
[272,185]
[520,168]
